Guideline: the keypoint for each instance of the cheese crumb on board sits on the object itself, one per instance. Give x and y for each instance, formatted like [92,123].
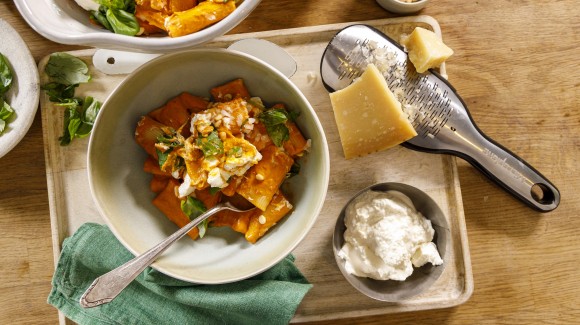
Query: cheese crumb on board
[426,50]
[368,116]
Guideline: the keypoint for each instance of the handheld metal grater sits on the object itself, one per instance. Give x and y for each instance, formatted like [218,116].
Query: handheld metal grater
[438,114]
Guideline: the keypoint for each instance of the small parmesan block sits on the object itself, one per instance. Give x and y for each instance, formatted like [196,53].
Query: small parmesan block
[368,116]
[426,50]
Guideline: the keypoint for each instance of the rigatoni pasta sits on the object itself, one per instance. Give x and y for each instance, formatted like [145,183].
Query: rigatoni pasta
[232,148]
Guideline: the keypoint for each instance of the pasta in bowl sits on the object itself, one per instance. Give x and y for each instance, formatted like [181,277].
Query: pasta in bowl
[233,149]
[247,162]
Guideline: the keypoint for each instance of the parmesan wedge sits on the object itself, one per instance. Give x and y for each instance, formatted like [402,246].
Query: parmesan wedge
[368,116]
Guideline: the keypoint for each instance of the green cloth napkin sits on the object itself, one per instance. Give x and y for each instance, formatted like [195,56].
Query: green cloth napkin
[155,298]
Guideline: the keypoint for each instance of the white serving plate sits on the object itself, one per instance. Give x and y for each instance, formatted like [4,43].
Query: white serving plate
[24,93]
[63,21]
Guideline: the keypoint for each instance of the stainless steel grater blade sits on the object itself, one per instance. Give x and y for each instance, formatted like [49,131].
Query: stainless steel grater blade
[436,111]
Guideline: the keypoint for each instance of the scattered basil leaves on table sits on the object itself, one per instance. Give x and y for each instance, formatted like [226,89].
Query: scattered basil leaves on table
[65,73]
[118,16]
[6,77]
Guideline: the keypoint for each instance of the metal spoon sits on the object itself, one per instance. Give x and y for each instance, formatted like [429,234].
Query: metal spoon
[109,285]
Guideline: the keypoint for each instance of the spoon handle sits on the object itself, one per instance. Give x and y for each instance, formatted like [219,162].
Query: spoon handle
[106,287]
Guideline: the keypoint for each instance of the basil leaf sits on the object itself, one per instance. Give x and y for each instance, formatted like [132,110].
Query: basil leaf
[71,122]
[73,126]
[70,103]
[193,208]
[5,113]
[202,227]
[123,22]
[5,110]
[90,109]
[113,4]
[130,6]
[214,190]
[274,120]
[211,145]
[5,75]
[293,115]
[279,133]
[67,69]
[273,117]
[162,156]
[79,117]
[59,93]
[101,18]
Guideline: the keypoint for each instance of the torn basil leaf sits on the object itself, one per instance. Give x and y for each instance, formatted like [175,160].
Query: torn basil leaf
[101,18]
[79,119]
[162,156]
[67,69]
[5,75]
[59,93]
[118,16]
[273,116]
[114,4]
[65,73]
[122,22]
[279,134]
[193,208]
[6,112]
[274,120]
[211,145]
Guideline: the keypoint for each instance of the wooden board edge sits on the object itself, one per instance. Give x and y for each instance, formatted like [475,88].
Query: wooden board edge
[51,181]
[59,228]
[328,27]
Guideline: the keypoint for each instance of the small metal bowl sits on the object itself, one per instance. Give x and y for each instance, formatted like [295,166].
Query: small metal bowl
[423,277]
[401,7]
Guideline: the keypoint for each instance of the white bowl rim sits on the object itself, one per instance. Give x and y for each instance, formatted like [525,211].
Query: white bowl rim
[326,165]
[106,39]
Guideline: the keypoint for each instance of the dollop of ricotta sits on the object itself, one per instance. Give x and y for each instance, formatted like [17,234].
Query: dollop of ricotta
[386,236]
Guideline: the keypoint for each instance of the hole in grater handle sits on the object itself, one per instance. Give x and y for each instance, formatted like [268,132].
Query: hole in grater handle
[542,194]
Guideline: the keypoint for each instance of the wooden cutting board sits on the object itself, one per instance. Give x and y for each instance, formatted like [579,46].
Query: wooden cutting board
[331,297]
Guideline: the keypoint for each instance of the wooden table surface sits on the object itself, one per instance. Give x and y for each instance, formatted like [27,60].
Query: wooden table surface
[516,65]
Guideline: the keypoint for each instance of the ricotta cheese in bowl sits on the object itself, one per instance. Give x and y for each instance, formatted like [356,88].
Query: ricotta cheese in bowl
[386,236]
[390,241]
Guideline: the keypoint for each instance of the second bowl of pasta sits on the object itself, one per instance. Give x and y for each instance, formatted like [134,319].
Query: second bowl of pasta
[191,129]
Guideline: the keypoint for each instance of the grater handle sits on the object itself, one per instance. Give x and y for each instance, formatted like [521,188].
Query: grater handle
[511,172]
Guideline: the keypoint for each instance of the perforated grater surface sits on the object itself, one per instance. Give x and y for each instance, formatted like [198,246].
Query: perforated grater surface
[438,114]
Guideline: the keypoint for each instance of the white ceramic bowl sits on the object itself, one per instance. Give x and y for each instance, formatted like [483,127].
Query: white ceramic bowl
[401,7]
[120,186]
[63,21]
[423,277]
[24,91]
